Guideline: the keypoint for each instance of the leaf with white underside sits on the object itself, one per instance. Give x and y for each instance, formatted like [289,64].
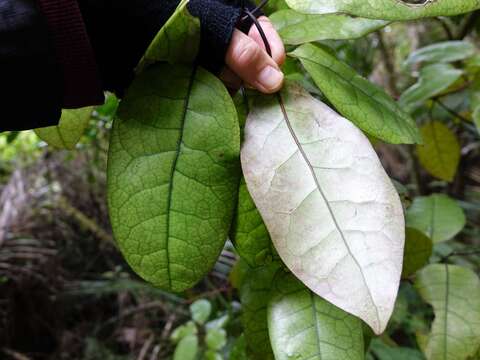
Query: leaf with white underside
[304,326]
[173,173]
[386,9]
[331,210]
[296,28]
[437,216]
[454,293]
[440,152]
[365,104]
[69,130]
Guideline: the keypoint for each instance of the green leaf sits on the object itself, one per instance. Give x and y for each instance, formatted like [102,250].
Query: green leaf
[216,339]
[218,323]
[385,352]
[173,173]
[304,326]
[433,80]
[386,9]
[475,102]
[212,355]
[187,348]
[254,296]
[437,216]
[418,249]
[332,212]
[250,235]
[183,331]
[296,28]
[239,349]
[365,104]
[200,311]
[69,130]
[177,42]
[454,293]
[440,153]
[442,52]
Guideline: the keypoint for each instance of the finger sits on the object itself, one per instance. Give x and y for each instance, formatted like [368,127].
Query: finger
[274,40]
[252,64]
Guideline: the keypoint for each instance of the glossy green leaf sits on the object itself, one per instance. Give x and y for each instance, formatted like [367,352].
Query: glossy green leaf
[433,80]
[304,326]
[296,28]
[385,352]
[386,9]
[454,293]
[173,174]
[200,311]
[442,52]
[177,41]
[331,210]
[437,216]
[69,130]
[187,348]
[363,103]
[255,295]
[418,249]
[250,234]
[440,152]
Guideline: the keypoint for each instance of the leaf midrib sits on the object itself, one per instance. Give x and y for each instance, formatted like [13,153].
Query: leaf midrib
[304,155]
[173,170]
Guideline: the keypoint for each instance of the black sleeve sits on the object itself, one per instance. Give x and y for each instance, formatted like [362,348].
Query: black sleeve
[121,30]
[29,79]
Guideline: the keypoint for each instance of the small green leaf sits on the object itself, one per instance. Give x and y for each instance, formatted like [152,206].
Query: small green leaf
[216,339]
[304,326]
[212,355]
[442,52]
[219,323]
[386,9]
[418,249]
[250,235]
[183,331]
[187,348]
[384,352]
[173,173]
[440,153]
[296,28]
[363,103]
[200,311]
[177,42]
[255,295]
[437,216]
[454,293]
[68,131]
[433,80]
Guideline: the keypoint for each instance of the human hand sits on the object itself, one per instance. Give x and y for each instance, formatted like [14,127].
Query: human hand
[247,60]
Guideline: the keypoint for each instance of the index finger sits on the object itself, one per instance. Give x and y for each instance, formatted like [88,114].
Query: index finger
[274,40]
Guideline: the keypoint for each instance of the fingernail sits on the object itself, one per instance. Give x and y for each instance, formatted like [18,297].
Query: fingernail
[270,78]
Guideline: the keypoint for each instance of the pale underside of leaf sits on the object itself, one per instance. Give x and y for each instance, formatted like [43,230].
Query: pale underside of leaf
[386,9]
[304,326]
[331,210]
[173,173]
[454,293]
